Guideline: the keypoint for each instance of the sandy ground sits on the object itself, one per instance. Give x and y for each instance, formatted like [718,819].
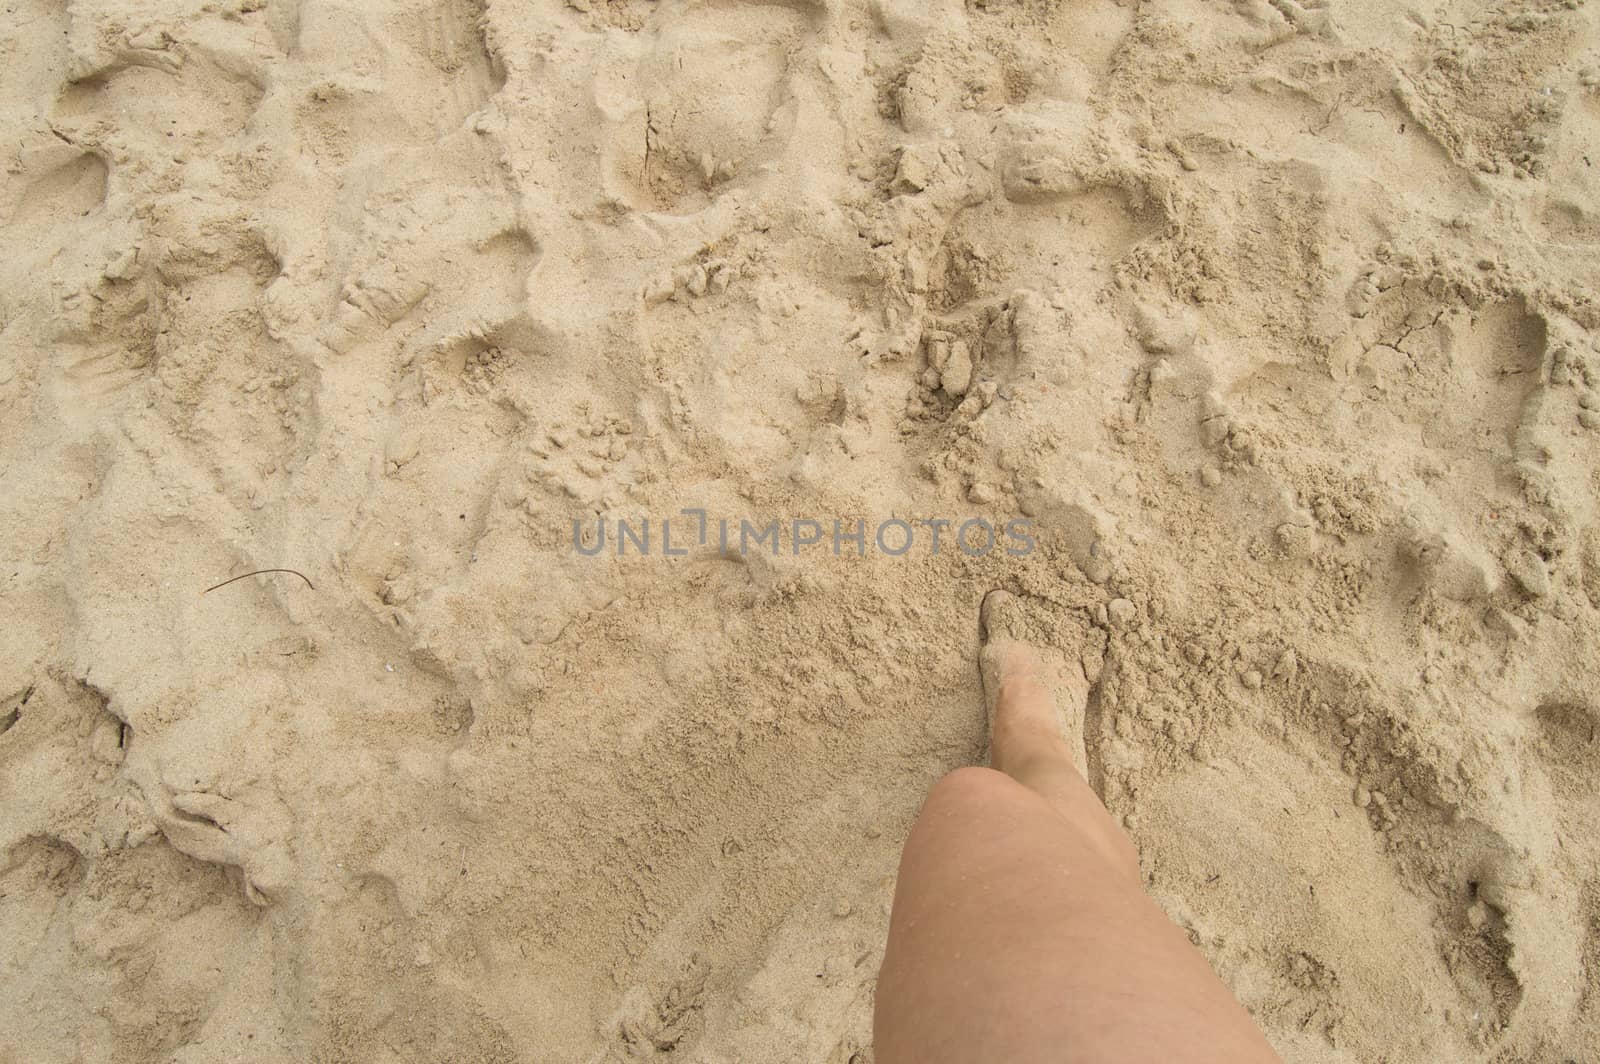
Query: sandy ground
[1273,319]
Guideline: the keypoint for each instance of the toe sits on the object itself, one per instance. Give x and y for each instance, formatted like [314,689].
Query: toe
[1001,616]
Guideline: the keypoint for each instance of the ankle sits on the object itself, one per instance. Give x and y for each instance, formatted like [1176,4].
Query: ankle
[1017,688]
[1031,738]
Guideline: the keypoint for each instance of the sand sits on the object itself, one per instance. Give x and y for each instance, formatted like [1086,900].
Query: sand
[1270,324]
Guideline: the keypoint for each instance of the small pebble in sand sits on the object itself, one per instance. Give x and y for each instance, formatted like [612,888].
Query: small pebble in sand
[106,741]
[1528,570]
[1097,567]
[957,373]
[1121,612]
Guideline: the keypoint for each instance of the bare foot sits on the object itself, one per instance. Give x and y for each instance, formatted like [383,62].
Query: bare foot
[1035,695]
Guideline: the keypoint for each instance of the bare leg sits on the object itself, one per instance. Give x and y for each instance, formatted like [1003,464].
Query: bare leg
[1021,931]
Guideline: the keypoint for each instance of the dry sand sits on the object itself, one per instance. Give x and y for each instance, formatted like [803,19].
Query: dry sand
[1275,318]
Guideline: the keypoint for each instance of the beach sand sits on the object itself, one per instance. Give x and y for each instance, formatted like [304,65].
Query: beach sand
[1261,335]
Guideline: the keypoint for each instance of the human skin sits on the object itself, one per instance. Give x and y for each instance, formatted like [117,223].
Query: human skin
[1021,931]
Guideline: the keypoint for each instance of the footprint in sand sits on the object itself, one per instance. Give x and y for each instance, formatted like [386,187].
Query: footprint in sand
[247,835]
[709,105]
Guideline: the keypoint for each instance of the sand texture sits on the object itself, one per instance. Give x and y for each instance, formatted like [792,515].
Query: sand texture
[1274,319]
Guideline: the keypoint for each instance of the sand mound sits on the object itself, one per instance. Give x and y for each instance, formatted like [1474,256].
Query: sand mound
[1254,339]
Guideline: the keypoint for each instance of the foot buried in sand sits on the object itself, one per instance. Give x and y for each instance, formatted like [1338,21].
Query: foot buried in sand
[1029,686]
